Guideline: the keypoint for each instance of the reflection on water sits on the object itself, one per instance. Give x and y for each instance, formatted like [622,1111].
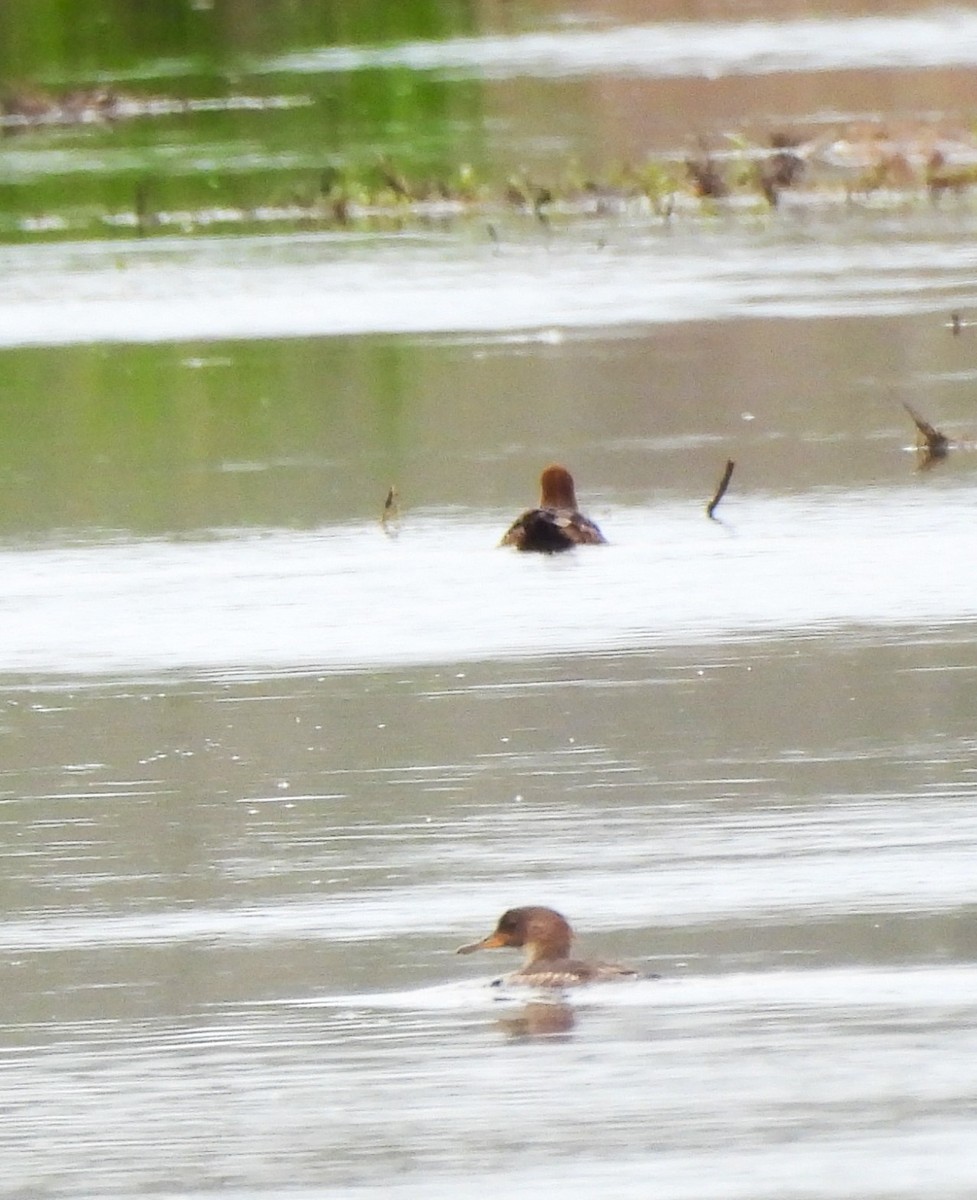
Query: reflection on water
[540,1019]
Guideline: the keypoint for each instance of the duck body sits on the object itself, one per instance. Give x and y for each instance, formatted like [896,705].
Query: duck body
[556,524]
[547,938]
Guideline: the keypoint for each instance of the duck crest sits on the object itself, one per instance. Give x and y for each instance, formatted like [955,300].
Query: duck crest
[556,488]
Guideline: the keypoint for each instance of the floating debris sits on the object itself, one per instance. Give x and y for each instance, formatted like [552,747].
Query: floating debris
[932,445]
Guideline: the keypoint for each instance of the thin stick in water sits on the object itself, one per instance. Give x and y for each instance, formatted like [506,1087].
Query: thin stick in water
[391,511]
[721,490]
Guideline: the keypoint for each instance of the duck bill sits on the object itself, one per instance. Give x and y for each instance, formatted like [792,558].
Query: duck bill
[492,942]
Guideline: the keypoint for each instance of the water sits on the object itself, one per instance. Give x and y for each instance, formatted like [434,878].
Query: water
[944,37]
[236,916]
[439,592]
[266,764]
[323,285]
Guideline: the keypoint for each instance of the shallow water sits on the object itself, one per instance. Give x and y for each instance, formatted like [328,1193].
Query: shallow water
[696,48]
[440,591]
[232,907]
[266,763]
[601,277]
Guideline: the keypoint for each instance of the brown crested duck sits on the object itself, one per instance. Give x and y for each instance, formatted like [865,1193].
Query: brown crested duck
[546,937]
[556,524]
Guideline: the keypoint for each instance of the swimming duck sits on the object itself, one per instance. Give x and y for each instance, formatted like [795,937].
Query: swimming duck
[546,937]
[556,524]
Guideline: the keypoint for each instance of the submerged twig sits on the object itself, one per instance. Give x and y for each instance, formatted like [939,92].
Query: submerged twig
[931,443]
[721,490]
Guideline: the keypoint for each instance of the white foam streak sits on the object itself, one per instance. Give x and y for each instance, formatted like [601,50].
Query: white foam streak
[944,37]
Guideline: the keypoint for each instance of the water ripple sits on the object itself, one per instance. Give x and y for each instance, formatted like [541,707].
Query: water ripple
[347,598]
[327,284]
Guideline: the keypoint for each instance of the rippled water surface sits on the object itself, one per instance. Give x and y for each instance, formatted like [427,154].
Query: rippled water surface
[266,761]
[322,285]
[231,911]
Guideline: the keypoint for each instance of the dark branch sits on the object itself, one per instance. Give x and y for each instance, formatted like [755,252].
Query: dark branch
[933,445]
[721,490]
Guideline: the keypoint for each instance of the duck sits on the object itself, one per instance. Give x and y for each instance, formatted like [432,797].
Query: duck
[556,524]
[547,938]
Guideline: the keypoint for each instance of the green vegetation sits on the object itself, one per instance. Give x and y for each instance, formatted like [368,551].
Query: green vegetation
[120,117]
[65,42]
[123,115]
[210,172]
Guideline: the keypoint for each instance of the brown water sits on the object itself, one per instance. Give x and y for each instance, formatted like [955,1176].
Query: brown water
[265,764]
